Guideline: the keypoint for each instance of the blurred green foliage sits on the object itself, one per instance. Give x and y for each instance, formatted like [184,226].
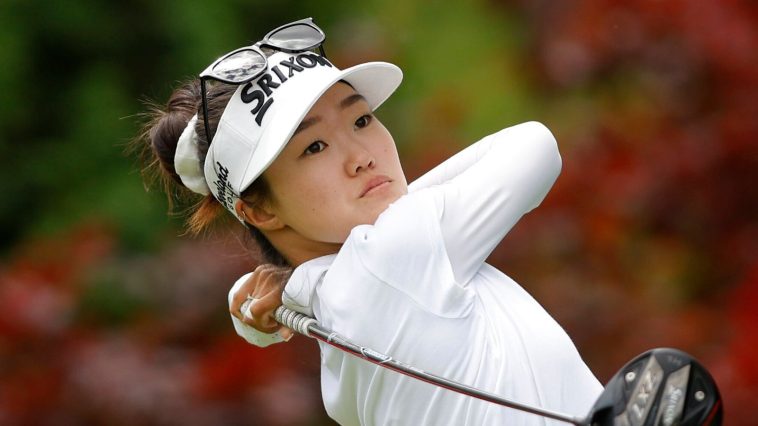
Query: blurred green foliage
[77,71]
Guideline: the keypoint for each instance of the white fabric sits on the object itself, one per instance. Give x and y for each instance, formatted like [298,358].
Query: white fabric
[262,115]
[187,160]
[414,285]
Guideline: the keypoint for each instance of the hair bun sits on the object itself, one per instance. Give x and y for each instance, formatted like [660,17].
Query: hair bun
[157,143]
[168,125]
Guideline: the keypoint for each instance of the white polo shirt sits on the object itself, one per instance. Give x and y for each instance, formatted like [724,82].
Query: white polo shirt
[415,286]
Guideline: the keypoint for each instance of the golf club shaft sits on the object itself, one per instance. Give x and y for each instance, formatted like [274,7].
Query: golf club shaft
[308,326]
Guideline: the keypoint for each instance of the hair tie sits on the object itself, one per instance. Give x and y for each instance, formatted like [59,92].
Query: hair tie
[187,160]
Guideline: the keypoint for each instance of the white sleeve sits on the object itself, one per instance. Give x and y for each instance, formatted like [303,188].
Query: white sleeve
[487,187]
[250,334]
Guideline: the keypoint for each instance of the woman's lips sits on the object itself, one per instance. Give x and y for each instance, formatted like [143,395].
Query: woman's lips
[375,183]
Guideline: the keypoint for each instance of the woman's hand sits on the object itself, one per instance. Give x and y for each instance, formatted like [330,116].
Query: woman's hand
[265,286]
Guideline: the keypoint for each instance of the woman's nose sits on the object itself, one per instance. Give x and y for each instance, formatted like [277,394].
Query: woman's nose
[358,158]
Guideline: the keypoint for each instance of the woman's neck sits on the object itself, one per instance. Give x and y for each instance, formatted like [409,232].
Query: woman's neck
[298,250]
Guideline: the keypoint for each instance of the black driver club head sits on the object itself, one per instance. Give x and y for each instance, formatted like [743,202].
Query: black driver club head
[663,387]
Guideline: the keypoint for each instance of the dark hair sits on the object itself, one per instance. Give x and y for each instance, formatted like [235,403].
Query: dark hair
[156,145]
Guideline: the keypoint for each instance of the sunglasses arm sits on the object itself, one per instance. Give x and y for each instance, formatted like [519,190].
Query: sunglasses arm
[205,110]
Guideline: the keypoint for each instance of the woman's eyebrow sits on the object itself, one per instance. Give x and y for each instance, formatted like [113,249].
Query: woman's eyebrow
[308,122]
[345,103]
[355,97]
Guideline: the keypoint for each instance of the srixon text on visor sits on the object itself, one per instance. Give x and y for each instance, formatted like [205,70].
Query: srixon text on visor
[266,84]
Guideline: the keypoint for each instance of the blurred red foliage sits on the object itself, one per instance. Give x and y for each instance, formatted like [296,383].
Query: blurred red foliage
[654,220]
[170,357]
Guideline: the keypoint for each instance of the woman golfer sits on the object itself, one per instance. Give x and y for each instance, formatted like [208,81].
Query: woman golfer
[289,144]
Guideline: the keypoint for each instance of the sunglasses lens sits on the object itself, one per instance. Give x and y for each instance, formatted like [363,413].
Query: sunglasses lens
[240,67]
[296,37]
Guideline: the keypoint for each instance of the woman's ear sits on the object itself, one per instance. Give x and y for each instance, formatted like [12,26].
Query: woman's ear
[258,215]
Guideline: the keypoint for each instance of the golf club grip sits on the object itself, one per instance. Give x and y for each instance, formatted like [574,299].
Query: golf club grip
[294,320]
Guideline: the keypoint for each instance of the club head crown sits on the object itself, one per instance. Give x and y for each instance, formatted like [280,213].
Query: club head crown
[661,387]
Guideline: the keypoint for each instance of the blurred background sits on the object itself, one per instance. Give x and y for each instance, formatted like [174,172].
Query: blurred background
[108,315]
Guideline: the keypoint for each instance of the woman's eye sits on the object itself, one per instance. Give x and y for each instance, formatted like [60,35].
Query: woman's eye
[363,121]
[314,148]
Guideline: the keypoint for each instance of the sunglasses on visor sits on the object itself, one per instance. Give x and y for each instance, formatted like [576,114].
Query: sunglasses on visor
[248,63]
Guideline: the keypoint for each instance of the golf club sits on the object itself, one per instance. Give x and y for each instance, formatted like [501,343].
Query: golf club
[659,387]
